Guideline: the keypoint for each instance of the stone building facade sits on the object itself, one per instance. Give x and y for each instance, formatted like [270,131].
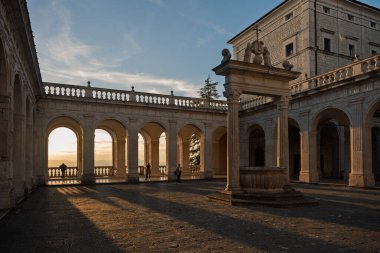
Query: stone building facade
[333,119]
[315,36]
[20,88]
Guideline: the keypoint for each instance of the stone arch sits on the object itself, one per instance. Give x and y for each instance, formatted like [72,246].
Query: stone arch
[256,146]
[152,131]
[75,126]
[372,139]
[219,151]
[184,138]
[294,148]
[117,131]
[330,143]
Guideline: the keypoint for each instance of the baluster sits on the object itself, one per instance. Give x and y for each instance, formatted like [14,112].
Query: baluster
[46,89]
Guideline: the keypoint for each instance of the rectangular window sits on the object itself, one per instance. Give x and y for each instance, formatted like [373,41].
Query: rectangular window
[373,52]
[351,50]
[289,49]
[373,24]
[289,16]
[326,10]
[350,17]
[327,44]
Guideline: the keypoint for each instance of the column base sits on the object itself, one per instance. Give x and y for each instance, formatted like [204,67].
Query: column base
[361,180]
[206,175]
[88,179]
[133,177]
[7,195]
[308,177]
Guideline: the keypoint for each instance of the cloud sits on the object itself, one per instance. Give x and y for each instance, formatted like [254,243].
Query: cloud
[66,59]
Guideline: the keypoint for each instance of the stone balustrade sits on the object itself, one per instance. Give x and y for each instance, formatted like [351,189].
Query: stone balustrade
[104,171]
[55,173]
[255,102]
[329,78]
[111,95]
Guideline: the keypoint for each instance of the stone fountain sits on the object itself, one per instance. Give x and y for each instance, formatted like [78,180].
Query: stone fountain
[257,185]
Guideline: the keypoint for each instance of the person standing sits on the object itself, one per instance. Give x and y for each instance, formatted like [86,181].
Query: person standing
[178,172]
[147,171]
[63,168]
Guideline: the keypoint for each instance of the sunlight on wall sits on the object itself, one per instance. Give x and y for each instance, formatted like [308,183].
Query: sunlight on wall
[103,148]
[162,148]
[141,150]
[62,146]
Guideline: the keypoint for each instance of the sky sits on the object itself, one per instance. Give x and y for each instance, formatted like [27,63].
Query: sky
[154,45]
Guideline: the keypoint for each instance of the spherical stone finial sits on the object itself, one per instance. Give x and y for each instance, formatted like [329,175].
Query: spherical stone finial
[88,84]
[133,88]
[171,93]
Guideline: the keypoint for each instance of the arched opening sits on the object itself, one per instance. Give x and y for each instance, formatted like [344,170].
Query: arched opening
[153,151]
[294,149]
[219,151]
[104,164]
[190,146]
[62,148]
[332,139]
[376,152]
[329,151]
[110,149]
[256,146]
[69,144]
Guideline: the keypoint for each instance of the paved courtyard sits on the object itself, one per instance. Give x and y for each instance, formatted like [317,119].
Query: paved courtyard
[169,217]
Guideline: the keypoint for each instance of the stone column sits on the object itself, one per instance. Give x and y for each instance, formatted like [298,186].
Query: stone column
[132,142]
[171,149]
[120,157]
[282,134]
[88,147]
[29,158]
[205,152]
[244,145]
[233,154]
[154,156]
[361,148]
[309,172]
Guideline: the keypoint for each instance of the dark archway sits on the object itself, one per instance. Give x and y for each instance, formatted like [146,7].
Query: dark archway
[376,152]
[329,151]
[256,146]
[294,149]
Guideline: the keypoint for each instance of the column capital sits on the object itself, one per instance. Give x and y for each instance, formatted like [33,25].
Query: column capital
[355,101]
[172,122]
[283,102]
[232,94]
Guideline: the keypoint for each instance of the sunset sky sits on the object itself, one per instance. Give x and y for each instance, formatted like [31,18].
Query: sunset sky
[155,45]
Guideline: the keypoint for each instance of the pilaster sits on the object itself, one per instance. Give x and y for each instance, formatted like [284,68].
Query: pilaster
[132,142]
[88,176]
[282,134]
[206,156]
[360,139]
[171,149]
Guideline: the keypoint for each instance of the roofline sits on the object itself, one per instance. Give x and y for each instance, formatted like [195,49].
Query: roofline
[281,4]
[257,21]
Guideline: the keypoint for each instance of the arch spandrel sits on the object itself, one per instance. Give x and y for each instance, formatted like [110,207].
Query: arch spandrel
[152,128]
[65,121]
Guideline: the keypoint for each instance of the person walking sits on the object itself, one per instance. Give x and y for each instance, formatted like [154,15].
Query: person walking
[148,171]
[178,172]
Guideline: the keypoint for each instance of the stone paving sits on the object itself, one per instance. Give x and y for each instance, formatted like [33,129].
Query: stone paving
[169,217]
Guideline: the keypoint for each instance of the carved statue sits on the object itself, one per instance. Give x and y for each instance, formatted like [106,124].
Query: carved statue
[248,53]
[286,64]
[258,50]
[226,55]
[266,55]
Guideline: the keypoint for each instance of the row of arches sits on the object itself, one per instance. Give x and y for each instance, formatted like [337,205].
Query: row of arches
[331,137]
[152,146]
